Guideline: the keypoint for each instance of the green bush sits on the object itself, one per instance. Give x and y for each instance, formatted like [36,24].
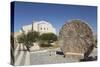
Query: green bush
[46,39]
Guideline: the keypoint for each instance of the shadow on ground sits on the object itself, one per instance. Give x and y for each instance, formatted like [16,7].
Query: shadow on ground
[89,59]
[59,53]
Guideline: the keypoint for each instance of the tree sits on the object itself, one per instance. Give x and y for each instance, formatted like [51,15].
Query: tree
[47,38]
[28,39]
[33,36]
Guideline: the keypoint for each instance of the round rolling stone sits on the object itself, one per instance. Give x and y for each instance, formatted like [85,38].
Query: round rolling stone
[76,39]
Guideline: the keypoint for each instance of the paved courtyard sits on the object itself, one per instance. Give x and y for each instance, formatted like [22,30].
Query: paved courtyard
[42,57]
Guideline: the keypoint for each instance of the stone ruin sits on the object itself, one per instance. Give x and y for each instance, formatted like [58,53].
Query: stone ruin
[76,39]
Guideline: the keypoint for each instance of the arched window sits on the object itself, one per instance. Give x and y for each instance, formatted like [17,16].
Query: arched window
[41,28]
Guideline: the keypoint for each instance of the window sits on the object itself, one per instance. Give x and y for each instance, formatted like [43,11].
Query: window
[44,28]
[41,28]
[47,28]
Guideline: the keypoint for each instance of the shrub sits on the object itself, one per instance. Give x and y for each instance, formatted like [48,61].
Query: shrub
[46,39]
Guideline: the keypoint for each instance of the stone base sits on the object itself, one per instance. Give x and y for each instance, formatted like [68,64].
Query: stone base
[77,56]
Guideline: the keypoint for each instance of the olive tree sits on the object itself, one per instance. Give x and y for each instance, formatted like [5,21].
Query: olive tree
[28,39]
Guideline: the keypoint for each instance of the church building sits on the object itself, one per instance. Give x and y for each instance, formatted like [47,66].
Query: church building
[39,26]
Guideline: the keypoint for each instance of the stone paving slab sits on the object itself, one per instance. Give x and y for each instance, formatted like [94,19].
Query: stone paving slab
[44,57]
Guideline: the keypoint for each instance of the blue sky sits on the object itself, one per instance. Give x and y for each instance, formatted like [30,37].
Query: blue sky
[57,15]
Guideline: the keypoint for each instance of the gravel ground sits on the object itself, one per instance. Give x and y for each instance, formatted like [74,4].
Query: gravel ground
[50,57]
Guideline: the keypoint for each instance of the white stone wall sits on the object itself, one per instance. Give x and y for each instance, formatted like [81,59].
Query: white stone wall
[26,28]
[40,26]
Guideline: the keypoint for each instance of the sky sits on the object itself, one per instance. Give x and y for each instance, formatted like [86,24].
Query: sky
[56,14]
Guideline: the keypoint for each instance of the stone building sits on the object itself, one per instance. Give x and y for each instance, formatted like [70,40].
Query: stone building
[39,26]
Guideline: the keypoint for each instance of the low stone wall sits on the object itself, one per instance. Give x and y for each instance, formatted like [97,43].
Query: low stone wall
[35,47]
